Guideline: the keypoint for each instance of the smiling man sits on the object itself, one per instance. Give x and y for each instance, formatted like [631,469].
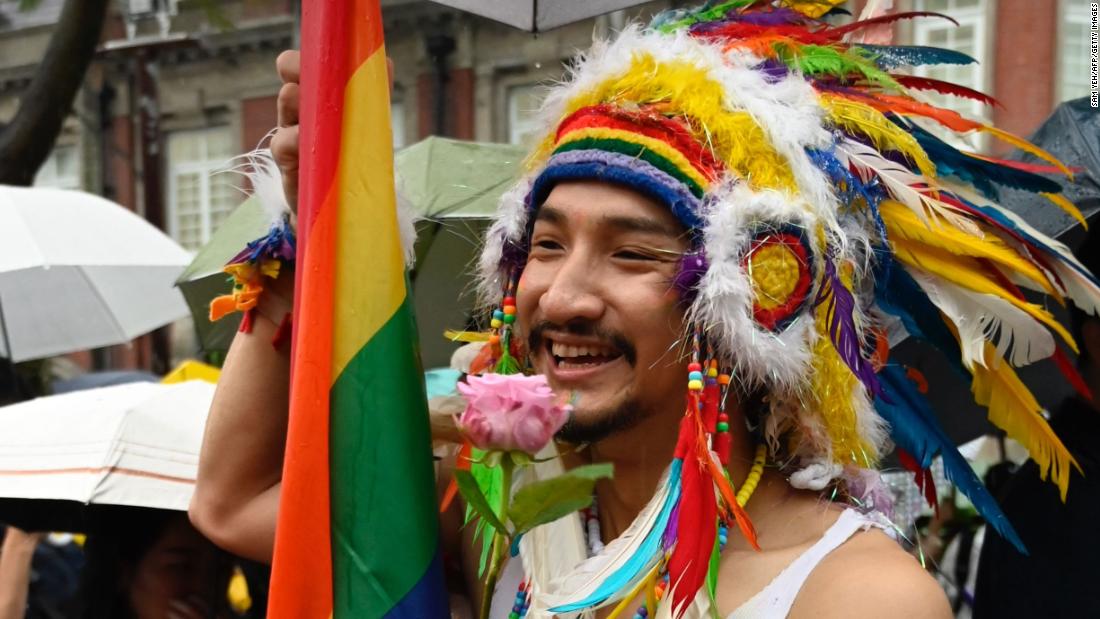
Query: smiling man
[725,210]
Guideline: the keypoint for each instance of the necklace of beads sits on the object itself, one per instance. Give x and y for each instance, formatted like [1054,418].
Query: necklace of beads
[591,520]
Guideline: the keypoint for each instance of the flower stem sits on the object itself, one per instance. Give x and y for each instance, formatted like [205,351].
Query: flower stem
[501,542]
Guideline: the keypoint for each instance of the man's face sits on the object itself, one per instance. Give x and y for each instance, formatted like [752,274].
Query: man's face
[598,309]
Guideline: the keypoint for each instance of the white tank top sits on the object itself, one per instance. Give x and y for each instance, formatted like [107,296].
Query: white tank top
[772,602]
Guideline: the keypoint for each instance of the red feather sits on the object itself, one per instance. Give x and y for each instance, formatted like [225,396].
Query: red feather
[947,88]
[738,30]
[839,31]
[1072,375]
[923,478]
[696,529]
[1034,168]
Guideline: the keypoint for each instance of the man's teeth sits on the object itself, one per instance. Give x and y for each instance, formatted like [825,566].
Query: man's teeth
[565,351]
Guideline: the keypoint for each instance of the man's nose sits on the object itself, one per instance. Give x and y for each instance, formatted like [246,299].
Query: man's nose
[574,293]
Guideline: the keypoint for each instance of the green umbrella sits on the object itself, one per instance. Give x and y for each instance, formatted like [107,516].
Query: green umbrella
[453,185]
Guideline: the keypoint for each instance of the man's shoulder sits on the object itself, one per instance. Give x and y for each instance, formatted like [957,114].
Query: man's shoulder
[871,576]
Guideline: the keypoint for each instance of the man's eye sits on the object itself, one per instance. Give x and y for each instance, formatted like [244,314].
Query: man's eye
[630,254]
[547,245]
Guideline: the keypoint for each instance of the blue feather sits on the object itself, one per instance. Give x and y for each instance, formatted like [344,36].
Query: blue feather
[914,428]
[893,56]
[635,567]
[898,294]
[983,175]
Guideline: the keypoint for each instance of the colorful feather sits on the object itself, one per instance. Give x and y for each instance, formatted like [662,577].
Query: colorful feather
[1013,408]
[840,307]
[972,275]
[981,318]
[914,428]
[605,577]
[902,223]
[947,88]
[902,184]
[893,56]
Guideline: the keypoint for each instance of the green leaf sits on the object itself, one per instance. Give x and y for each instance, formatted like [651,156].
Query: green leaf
[467,485]
[550,499]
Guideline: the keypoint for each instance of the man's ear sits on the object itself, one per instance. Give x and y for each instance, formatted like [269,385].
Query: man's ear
[1090,339]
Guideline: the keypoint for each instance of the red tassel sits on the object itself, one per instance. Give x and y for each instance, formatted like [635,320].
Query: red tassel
[722,445]
[282,333]
[246,322]
[711,395]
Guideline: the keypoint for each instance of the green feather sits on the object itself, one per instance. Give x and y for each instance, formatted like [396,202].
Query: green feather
[712,579]
[825,60]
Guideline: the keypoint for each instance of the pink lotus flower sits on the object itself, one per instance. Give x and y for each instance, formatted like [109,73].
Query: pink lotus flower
[509,413]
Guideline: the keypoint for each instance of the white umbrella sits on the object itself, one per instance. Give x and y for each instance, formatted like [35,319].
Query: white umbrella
[78,271]
[134,444]
[539,15]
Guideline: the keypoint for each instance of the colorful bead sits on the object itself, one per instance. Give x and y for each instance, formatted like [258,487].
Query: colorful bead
[698,376]
[695,385]
[509,301]
[723,417]
[695,367]
[498,314]
[712,371]
[509,318]
[495,323]
[494,340]
[723,426]
[723,379]
[509,310]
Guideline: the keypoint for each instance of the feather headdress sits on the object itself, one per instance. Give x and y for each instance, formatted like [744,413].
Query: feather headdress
[819,207]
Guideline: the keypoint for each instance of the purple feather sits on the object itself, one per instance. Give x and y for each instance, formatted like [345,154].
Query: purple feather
[669,538]
[772,70]
[842,328]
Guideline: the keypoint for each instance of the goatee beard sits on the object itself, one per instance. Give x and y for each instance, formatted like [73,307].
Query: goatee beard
[599,425]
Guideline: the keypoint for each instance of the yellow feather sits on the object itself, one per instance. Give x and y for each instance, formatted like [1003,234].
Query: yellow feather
[812,8]
[872,124]
[681,89]
[1066,206]
[968,273]
[466,336]
[832,385]
[1026,146]
[902,223]
[1013,408]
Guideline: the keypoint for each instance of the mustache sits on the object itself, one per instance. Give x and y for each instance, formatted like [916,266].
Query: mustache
[537,337]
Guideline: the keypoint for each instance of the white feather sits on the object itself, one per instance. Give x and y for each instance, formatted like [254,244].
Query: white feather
[578,583]
[982,317]
[265,181]
[725,299]
[554,548]
[900,182]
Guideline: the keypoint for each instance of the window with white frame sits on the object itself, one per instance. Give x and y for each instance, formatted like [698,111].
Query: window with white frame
[970,38]
[397,123]
[61,170]
[199,198]
[523,104]
[1073,52]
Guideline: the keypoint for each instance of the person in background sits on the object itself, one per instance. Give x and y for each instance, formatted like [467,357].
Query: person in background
[151,564]
[16,554]
[1061,538]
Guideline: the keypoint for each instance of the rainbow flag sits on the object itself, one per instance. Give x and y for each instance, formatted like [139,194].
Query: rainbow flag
[357,533]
